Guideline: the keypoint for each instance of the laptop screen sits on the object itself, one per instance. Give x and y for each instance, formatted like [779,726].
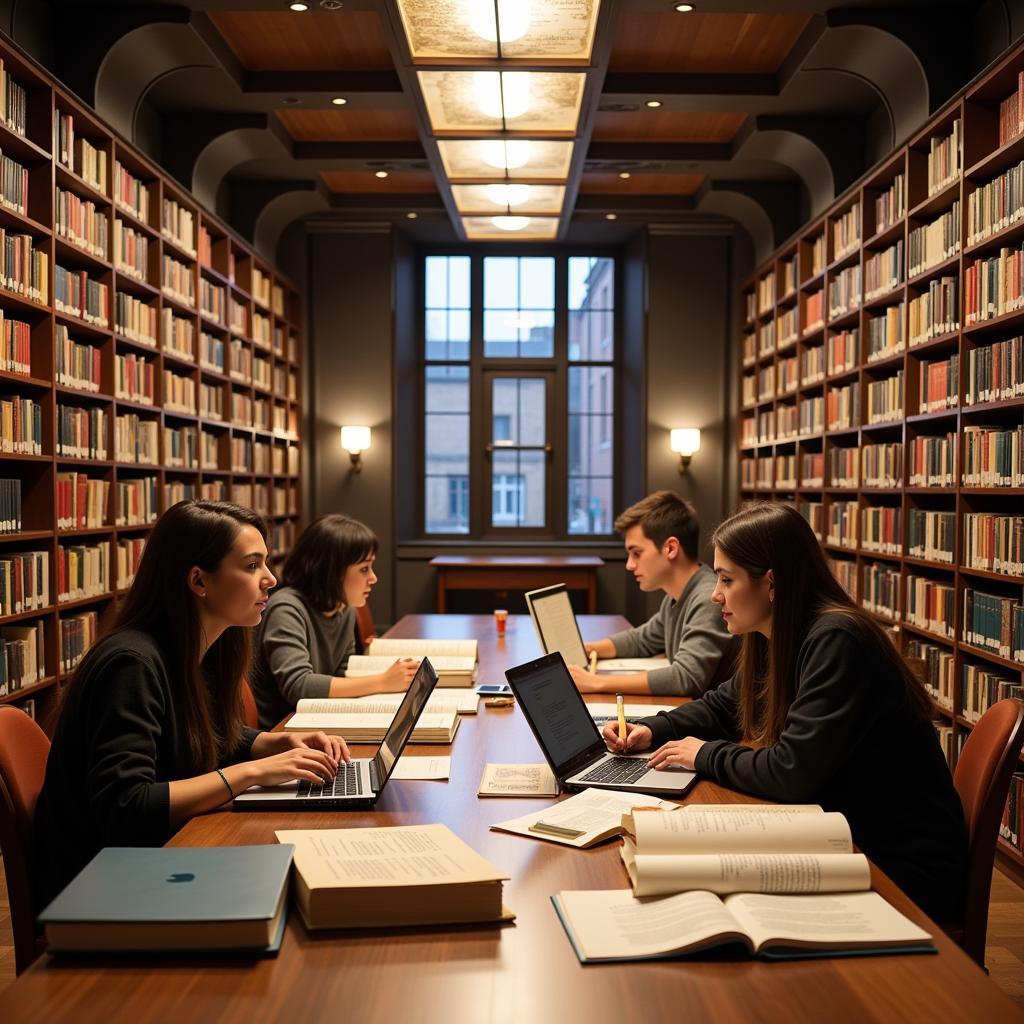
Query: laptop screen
[556,712]
[405,720]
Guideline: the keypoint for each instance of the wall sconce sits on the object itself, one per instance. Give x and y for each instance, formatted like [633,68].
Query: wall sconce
[684,441]
[355,440]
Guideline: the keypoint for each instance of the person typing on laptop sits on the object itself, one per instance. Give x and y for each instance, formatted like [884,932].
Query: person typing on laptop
[661,534]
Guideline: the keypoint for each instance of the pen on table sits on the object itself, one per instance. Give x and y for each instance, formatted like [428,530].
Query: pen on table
[622,717]
[593,661]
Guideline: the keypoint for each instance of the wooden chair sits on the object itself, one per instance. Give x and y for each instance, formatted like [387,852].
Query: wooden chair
[23,752]
[365,631]
[982,778]
[250,714]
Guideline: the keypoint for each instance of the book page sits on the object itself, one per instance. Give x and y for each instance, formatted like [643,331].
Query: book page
[372,665]
[746,872]
[600,712]
[517,780]
[628,666]
[844,921]
[442,699]
[423,769]
[418,648]
[351,858]
[756,808]
[614,924]
[556,624]
[714,831]
[364,722]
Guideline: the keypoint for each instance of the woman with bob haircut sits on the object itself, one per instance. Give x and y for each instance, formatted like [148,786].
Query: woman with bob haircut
[309,629]
[150,730]
[822,710]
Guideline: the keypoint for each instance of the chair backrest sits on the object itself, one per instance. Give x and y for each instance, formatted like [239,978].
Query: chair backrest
[364,626]
[250,715]
[23,752]
[982,779]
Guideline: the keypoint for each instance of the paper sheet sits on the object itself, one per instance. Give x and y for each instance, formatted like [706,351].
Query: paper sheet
[425,769]
[517,780]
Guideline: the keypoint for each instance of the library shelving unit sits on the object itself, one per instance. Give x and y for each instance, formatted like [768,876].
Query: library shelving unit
[160,360]
[881,377]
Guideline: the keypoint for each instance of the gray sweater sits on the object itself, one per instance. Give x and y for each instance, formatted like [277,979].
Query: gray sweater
[691,633]
[298,650]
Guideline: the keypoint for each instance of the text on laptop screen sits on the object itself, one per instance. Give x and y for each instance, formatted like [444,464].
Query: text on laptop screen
[558,712]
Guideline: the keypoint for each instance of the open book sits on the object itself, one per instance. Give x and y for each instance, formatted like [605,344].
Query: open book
[369,727]
[465,702]
[629,666]
[615,925]
[454,661]
[742,849]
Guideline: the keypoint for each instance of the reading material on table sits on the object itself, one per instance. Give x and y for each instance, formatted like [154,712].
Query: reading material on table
[364,728]
[133,900]
[602,713]
[455,661]
[464,701]
[385,877]
[614,925]
[583,820]
[629,666]
[517,780]
[726,851]
[555,623]
[423,769]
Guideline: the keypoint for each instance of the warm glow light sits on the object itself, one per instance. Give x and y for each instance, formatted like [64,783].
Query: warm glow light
[355,439]
[684,8]
[510,223]
[611,216]
[380,174]
[339,101]
[513,19]
[298,6]
[506,154]
[508,195]
[500,94]
[654,104]
[624,174]
[685,441]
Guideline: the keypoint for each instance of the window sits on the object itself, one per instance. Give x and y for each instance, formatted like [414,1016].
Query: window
[532,339]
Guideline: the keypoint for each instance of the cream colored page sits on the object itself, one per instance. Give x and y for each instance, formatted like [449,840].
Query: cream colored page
[518,780]
[372,665]
[848,919]
[557,624]
[403,855]
[442,699]
[752,872]
[629,710]
[613,923]
[423,769]
[757,808]
[363,720]
[415,648]
[628,665]
[712,831]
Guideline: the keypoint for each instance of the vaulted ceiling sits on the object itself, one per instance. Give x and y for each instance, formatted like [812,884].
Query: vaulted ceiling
[764,111]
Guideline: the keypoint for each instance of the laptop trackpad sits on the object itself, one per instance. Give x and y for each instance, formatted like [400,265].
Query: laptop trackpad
[672,778]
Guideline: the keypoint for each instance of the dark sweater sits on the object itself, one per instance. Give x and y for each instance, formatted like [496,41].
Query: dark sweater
[851,744]
[118,743]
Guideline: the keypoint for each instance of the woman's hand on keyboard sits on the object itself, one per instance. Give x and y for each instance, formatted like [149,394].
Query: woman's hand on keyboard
[333,746]
[638,737]
[298,763]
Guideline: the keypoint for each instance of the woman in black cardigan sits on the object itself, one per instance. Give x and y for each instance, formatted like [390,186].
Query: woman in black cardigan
[822,710]
[150,731]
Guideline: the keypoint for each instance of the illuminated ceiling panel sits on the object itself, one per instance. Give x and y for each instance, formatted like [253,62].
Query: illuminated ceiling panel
[527,29]
[534,228]
[523,200]
[487,159]
[520,102]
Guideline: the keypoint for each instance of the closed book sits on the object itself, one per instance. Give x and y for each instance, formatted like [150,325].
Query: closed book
[141,900]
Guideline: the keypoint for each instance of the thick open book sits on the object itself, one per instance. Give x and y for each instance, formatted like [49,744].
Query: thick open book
[387,877]
[613,925]
[367,727]
[465,702]
[629,666]
[742,849]
[454,661]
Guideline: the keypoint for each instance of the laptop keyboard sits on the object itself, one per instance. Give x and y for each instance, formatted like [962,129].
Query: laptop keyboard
[347,782]
[617,770]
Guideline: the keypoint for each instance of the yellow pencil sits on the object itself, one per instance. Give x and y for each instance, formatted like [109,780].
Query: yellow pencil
[622,716]
[593,661]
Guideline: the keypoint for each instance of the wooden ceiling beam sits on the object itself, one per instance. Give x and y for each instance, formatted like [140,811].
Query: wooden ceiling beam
[636,153]
[637,84]
[336,83]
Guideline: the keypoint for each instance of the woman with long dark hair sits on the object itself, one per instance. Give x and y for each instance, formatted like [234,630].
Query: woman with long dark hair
[822,710]
[150,731]
[309,629]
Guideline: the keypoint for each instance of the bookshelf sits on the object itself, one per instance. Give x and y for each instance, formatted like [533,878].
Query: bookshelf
[148,355]
[865,342]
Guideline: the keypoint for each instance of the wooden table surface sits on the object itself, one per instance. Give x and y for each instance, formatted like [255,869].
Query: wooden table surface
[523,972]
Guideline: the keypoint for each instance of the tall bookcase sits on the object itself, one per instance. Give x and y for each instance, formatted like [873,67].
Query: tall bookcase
[840,374]
[188,384]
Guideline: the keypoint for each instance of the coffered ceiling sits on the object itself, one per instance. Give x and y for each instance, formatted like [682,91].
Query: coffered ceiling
[756,111]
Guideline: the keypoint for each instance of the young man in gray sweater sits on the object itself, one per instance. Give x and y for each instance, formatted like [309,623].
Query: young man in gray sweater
[661,534]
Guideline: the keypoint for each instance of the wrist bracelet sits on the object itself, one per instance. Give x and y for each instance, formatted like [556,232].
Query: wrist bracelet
[227,785]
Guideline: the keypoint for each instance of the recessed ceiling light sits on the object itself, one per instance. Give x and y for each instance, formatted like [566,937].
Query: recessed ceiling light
[653,104]
[381,174]
[682,8]
[506,154]
[412,215]
[298,6]
[290,101]
[611,216]
[339,101]
[624,174]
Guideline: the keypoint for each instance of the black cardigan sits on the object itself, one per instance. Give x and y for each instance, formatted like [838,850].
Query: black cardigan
[851,744]
[118,743]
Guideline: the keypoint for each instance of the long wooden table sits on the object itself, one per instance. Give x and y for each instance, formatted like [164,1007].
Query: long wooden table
[521,973]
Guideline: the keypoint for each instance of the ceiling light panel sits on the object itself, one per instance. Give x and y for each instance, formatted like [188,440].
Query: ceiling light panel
[447,30]
[469,160]
[519,102]
[524,200]
[532,228]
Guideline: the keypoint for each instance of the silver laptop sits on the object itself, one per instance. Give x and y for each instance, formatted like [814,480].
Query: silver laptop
[570,740]
[360,783]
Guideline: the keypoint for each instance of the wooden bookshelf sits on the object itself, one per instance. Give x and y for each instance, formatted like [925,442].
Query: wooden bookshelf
[167,259]
[877,218]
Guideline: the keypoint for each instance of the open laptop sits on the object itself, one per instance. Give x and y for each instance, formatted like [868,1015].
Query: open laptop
[570,739]
[360,783]
[555,623]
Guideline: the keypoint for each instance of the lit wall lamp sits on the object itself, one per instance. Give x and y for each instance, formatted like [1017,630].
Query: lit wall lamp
[685,441]
[355,440]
